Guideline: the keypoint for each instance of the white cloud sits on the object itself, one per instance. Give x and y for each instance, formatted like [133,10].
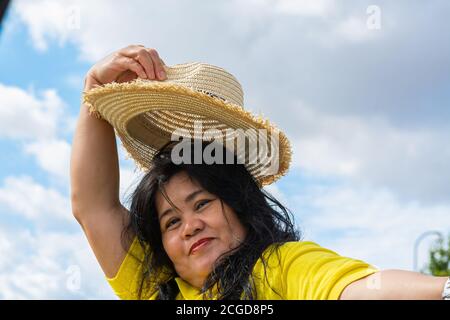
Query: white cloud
[371,151]
[39,267]
[319,8]
[46,19]
[313,8]
[354,29]
[51,20]
[25,116]
[52,155]
[27,198]
[36,121]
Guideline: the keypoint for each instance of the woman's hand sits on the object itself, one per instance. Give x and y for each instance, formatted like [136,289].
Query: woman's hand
[125,65]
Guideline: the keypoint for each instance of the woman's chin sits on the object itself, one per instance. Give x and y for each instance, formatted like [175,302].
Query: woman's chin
[203,267]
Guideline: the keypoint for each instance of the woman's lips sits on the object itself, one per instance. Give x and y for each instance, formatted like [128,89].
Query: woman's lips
[199,244]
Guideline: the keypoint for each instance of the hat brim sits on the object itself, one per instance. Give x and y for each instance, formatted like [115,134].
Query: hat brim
[145,113]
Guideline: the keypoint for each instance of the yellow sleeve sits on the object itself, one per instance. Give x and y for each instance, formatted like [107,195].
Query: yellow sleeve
[127,281]
[314,273]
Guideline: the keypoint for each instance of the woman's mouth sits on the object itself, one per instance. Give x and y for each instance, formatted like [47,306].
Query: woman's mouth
[199,245]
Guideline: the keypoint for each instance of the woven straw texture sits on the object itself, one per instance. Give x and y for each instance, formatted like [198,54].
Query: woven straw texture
[145,114]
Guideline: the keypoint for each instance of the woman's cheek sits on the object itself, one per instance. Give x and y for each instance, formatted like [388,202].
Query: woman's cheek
[170,245]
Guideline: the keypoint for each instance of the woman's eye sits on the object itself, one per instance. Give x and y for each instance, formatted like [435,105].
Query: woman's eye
[171,222]
[202,203]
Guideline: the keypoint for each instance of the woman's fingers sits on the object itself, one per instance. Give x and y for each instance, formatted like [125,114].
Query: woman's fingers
[158,64]
[132,65]
[148,58]
[145,60]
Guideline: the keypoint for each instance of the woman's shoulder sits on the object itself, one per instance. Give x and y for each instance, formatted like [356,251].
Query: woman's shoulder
[297,250]
[301,245]
[306,270]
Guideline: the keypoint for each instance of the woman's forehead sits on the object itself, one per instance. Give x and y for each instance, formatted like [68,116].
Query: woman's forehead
[177,189]
[179,183]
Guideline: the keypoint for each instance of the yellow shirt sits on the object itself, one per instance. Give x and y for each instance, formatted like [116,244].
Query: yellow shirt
[302,271]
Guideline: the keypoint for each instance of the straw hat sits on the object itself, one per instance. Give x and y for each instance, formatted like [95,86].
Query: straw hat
[197,101]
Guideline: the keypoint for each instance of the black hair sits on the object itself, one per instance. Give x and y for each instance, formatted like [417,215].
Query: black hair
[266,220]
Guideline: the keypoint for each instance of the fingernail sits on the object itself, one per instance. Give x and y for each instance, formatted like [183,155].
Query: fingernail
[162,75]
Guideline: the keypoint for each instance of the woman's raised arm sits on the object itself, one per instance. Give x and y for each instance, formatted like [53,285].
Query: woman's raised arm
[94,165]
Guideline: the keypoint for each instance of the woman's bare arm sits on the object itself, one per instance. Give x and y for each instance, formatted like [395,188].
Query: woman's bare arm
[95,189]
[395,285]
[94,165]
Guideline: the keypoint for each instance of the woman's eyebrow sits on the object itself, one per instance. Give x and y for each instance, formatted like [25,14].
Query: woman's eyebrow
[189,198]
[193,195]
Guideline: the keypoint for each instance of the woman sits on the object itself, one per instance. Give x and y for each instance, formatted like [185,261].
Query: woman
[202,231]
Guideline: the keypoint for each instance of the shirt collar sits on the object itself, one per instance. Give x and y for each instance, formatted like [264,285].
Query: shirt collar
[189,292]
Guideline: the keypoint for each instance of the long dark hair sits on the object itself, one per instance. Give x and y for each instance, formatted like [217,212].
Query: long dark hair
[266,220]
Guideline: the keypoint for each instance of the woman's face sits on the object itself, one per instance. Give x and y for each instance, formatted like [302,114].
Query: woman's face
[196,234]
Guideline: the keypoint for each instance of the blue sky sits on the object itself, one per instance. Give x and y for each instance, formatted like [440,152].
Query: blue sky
[24,67]
[366,111]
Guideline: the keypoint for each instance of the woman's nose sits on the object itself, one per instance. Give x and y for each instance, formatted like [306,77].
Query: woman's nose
[192,226]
